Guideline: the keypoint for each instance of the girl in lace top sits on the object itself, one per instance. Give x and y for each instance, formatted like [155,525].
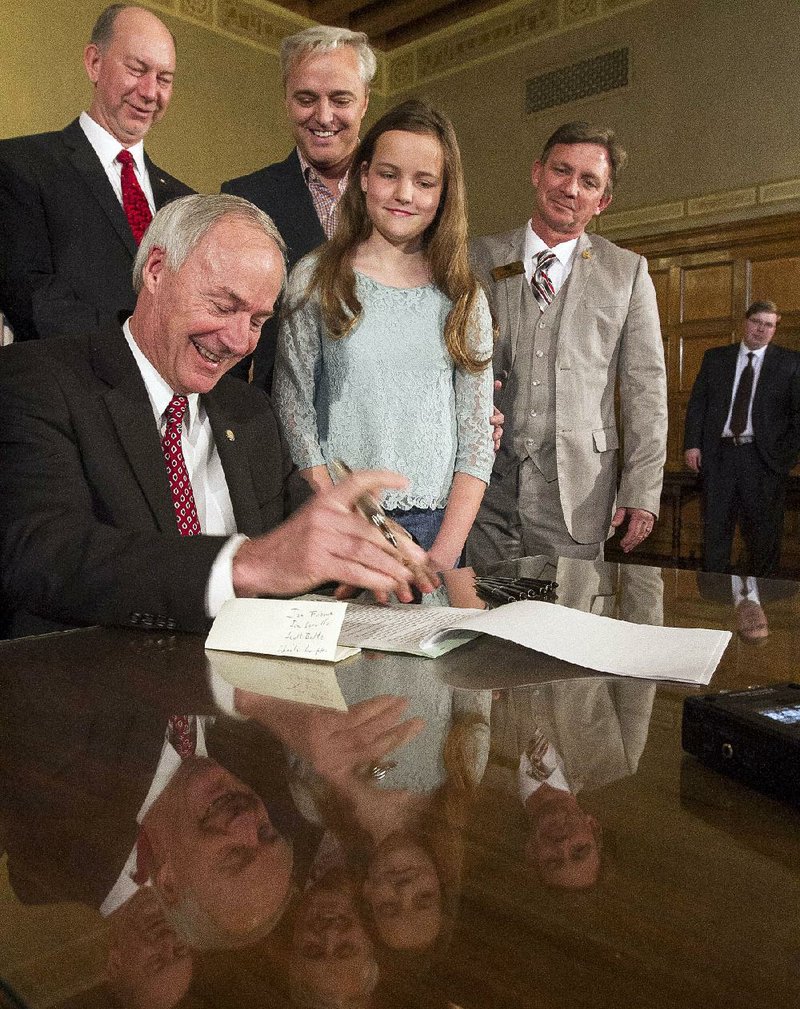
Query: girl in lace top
[384,353]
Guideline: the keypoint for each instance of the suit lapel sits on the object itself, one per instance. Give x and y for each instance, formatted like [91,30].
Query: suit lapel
[87,164]
[158,183]
[235,465]
[582,268]
[512,290]
[163,191]
[132,415]
[768,366]
[307,230]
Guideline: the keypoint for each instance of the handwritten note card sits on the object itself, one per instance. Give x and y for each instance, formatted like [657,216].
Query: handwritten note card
[297,628]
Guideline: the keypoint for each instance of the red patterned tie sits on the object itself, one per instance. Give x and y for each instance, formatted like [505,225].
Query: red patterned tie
[179,483]
[183,735]
[134,202]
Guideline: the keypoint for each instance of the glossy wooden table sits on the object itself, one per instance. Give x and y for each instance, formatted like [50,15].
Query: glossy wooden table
[696,896]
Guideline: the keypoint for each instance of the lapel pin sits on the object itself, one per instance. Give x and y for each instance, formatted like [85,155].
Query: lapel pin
[586,254]
[509,270]
[230,435]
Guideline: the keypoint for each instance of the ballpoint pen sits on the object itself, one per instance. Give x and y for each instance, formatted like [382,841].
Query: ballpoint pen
[371,509]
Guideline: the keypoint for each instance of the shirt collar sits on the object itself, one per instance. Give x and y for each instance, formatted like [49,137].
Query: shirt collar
[563,252]
[107,147]
[744,350]
[310,174]
[159,391]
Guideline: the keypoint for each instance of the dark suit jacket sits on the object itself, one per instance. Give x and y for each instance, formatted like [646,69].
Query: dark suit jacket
[280,191]
[776,406]
[87,527]
[66,249]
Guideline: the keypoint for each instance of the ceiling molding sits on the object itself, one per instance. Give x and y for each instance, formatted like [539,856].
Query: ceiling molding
[474,40]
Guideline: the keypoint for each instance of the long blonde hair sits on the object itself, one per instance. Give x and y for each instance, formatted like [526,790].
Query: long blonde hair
[444,241]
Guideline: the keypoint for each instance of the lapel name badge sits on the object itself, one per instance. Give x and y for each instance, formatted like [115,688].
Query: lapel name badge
[230,435]
[509,270]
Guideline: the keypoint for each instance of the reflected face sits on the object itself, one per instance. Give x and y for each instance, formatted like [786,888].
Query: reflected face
[759,329]
[403,893]
[325,101]
[564,842]
[214,840]
[570,190]
[403,186]
[208,314]
[751,621]
[147,964]
[132,76]
[332,953]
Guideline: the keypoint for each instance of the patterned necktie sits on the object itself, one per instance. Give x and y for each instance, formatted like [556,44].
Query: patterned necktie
[182,734]
[541,285]
[134,202]
[179,483]
[741,401]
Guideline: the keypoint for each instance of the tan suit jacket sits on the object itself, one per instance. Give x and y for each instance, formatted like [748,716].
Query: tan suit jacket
[609,329]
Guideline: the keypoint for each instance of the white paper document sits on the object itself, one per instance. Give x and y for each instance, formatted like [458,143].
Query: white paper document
[287,679]
[298,628]
[688,655]
[404,627]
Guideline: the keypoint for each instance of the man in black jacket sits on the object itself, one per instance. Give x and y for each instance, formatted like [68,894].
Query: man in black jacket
[326,77]
[133,469]
[67,204]
[743,433]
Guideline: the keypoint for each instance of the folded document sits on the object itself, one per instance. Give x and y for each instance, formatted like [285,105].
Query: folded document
[688,655]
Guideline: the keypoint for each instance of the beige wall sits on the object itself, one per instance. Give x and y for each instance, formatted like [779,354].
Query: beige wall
[712,106]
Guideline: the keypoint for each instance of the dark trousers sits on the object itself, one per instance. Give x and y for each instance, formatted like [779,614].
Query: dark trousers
[738,487]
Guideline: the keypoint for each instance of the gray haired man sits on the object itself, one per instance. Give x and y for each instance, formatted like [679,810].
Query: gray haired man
[326,77]
[134,470]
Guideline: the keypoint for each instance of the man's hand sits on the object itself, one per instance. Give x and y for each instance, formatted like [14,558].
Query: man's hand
[640,525]
[496,420]
[335,743]
[693,458]
[328,541]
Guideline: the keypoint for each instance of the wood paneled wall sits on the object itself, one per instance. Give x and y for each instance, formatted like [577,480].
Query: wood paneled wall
[704,280]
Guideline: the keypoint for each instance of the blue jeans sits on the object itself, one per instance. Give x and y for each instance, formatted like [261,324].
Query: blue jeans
[423,523]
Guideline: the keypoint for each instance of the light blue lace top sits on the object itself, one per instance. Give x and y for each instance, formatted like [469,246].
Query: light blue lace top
[388,394]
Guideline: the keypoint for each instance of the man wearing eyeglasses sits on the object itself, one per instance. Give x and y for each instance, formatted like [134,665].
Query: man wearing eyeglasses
[742,433]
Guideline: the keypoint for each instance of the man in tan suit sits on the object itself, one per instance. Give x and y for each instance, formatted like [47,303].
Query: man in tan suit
[576,314]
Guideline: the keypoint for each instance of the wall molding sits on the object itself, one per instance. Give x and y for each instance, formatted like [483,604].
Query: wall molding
[781,195]
[482,37]
[493,33]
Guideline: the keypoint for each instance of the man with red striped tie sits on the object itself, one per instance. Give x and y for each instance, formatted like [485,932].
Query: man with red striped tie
[143,486]
[74,204]
[576,315]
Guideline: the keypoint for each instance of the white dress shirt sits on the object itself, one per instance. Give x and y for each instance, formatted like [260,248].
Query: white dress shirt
[209,486]
[529,782]
[744,588]
[107,148]
[564,253]
[168,763]
[741,364]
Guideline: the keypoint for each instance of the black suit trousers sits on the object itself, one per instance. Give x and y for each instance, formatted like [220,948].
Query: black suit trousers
[739,487]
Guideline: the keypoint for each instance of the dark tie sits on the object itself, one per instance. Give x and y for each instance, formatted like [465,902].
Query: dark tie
[541,285]
[741,401]
[182,735]
[179,483]
[134,202]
